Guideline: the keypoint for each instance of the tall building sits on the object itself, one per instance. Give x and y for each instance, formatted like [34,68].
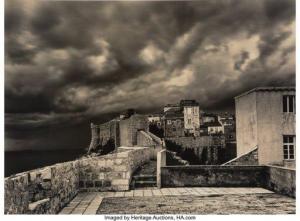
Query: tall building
[182,119]
[265,118]
[191,114]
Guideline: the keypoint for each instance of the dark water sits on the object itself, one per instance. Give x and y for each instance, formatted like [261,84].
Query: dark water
[20,161]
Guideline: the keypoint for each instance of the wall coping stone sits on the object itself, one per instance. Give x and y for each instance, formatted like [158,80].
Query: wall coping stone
[34,205]
[214,166]
[281,167]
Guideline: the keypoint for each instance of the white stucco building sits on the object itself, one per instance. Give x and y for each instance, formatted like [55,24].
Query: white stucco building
[265,118]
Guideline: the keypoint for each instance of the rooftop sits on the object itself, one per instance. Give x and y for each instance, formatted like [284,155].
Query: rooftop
[275,89]
[213,124]
[189,103]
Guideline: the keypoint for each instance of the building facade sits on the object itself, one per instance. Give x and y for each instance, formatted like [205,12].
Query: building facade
[182,119]
[265,118]
[191,114]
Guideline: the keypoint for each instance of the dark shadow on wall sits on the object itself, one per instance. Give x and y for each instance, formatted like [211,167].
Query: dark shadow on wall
[107,148]
[185,154]
[153,128]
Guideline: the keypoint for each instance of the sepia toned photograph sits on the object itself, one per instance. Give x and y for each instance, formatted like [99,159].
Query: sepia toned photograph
[150,107]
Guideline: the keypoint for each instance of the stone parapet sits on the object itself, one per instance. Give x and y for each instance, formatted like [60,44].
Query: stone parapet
[47,190]
[282,180]
[213,176]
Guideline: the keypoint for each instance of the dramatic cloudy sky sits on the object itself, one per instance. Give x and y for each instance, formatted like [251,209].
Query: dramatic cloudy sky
[69,63]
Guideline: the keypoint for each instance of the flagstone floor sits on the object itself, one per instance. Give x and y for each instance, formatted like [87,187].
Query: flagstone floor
[189,200]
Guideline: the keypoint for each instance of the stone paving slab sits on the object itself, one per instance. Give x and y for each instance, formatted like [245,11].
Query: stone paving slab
[262,203]
[88,203]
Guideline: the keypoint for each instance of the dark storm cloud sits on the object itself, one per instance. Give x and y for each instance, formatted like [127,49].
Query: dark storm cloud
[78,61]
[244,56]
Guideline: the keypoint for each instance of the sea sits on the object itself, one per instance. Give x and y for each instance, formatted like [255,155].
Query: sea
[20,161]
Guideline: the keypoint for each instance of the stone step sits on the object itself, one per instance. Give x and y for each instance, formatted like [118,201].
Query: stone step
[144,177]
[138,184]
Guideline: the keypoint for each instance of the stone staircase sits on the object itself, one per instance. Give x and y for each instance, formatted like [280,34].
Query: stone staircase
[142,181]
[145,176]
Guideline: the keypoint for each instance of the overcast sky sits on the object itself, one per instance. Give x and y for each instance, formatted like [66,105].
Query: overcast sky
[69,63]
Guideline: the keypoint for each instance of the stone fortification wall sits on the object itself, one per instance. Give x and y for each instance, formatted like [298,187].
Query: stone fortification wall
[196,142]
[109,130]
[47,190]
[44,190]
[112,171]
[213,176]
[129,128]
[205,148]
[282,180]
[147,139]
[144,139]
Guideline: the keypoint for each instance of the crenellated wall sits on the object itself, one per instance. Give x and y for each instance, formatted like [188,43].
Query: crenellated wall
[47,190]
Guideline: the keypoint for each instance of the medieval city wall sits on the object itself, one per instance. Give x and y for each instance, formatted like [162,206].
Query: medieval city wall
[44,190]
[47,190]
[109,130]
[112,172]
[282,180]
[213,176]
[129,128]
[204,147]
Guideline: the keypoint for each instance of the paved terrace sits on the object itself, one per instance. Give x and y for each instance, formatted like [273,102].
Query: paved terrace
[196,200]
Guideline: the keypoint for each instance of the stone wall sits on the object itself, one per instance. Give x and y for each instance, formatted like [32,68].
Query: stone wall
[205,148]
[129,128]
[250,158]
[109,130]
[44,190]
[282,180]
[112,171]
[147,139]
[47,190]
[173,127]
[144,139]
[195,142]
[103,133]
[213,176]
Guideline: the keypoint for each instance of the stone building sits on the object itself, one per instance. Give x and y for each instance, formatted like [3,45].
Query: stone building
[214,128]
[120,132]
[155,119]
[171,106]
[208,118]
[191,114]
[182,119]
[265,119]
[173,123]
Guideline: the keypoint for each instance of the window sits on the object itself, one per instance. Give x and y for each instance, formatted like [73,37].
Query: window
[189,121]
[169,122]
[289,103]
[289,147]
